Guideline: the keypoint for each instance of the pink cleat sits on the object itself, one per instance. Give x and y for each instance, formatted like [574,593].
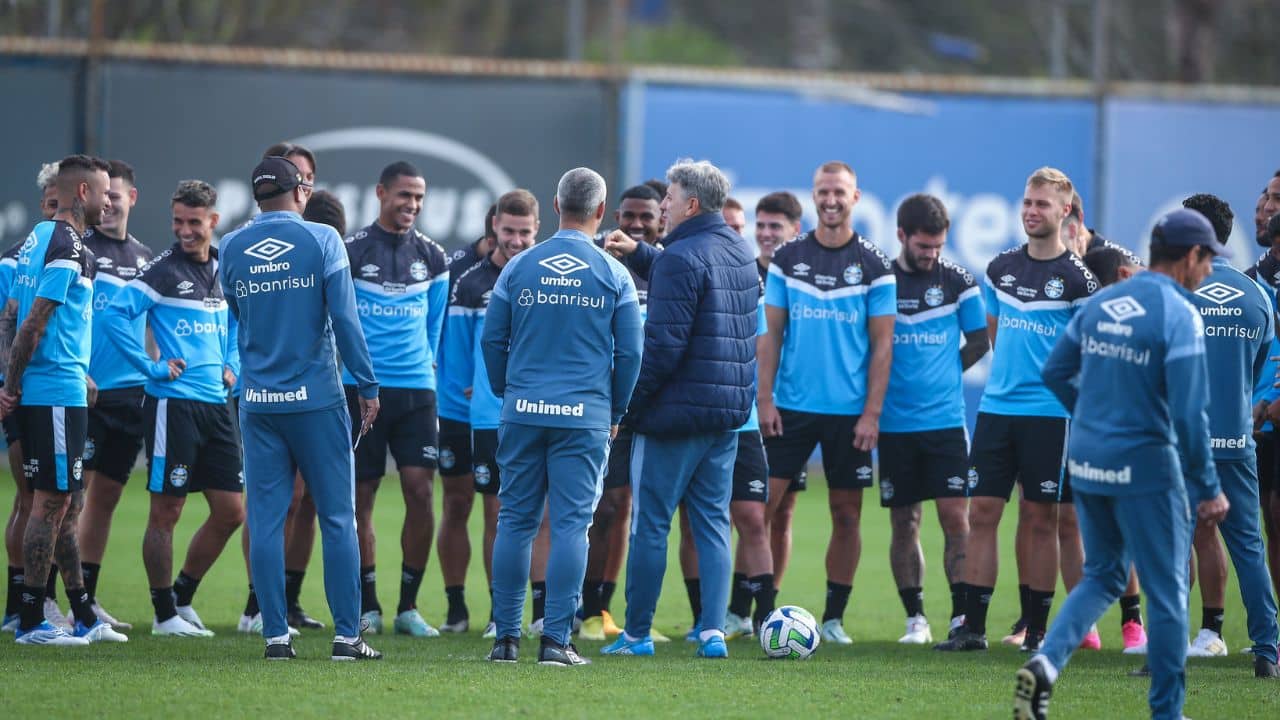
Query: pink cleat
[1092,641]
[1135,638]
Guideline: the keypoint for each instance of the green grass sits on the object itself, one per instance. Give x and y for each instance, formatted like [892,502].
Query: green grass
[226,677]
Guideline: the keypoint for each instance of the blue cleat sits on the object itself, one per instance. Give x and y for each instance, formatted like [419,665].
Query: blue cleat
[713,647]
[693,634]
[630,646]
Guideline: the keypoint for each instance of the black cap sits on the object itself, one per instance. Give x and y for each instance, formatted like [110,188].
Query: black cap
[1187,228]
[274,176]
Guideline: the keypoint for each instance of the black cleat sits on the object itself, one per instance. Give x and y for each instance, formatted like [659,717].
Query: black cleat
[280,651]
[358,650]
[1144,671]
[1031,692]
[562,656]
[1264,668]
[298,618]
[505,650]
[1031,641]
[963,640]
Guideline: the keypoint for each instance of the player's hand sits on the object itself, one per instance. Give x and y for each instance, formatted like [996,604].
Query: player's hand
[770,419]
[170,369]
[613,432]
[228,378]
[466,391]
[867,432]
[620,244]
[1213,511]
[8,403]
[91,394]
[1272,412]
[368,413]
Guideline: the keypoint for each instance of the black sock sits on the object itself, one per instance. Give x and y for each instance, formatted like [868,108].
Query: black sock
[91,571]
[293,587]
[977,600]
[912,600]
[1130,609]
[606,594]
[51,585]
[740,595]
[1024,603]
[538,590]
[81,608]
[410,581]
[369,590]
[764,594]
[457,599]
[162,601]
[957,599]
[31,606]
[693,586]
[837,601]
[1038,617]
[590,597]
[13,602]
[184,589]
[251,605]
[490,603]
[1213,619]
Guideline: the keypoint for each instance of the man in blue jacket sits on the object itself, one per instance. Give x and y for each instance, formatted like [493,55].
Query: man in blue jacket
[1131,369]
[561,344]
[695,391]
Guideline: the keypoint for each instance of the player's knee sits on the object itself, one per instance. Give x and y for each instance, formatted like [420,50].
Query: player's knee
[229,517]
[456,505]
[954,519]
[984,514]
[164,515]
[750,522]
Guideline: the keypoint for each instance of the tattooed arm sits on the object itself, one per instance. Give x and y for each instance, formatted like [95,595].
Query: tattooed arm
[8,329]
[24,347]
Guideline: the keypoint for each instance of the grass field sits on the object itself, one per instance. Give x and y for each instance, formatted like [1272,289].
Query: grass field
[225,676]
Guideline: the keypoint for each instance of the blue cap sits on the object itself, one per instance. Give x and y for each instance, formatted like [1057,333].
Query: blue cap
[1187,228]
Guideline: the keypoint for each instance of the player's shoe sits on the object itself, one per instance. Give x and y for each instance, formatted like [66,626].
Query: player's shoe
[280,651]
[625,645]
[918,632]
[298,618]
[713,647]
[833,631]
[1135,638]
[957,622]
[106,617]
[460,626]
[554,655]
[46,634]
[1265,669]
[371,622]
[535,629]
[1092,640]
[100,632]
[54,616]
[1017,633]
[252,625]
[506,650]
[1032,691]
[176,626]
[411,622]
[490,631]
[350,650]
[1207,644]
[188,613]
[592,629]
[1144,671]
[611,628]
[10,623]
[655,636]
[963,640]
[1031,642]
[736,626]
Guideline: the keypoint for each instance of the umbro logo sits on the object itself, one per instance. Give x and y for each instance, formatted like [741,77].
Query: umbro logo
[1123,308]
[268,249]
[563,264]
[1219,293]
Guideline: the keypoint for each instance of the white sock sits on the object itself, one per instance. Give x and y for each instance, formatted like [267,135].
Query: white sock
[348,640]
[279,640]
[1050,671]
[628,638]
[706,635]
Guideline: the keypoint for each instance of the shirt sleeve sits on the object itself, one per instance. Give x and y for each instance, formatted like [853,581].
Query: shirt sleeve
[437,307]
[882,296]
[495,339]
[134,300]
[775,287]
[1061,371]
[673,303]
[1186,375]
[628,345]
[973,314]
[340,299]
[989,297]
[63,268]
[233,344]
[458,349]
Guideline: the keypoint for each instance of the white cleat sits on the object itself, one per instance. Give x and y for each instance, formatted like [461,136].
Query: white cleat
[736,626]
[188,613]
[833,632]
[1207,644]
[46,634]
[490,631]
[106,617]
[100,632]
[176,626]
[252,625]
[54,616]
[918,632]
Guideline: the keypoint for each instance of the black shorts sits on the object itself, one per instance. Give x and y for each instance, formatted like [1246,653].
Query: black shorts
[846,467]
[1012,449]
[115,433]
[192,446]
[53,446]
[1267,461]
[750,469]
[484,461]
[618,470]
[406,425]
[455,448]
[925,465]
[11,432]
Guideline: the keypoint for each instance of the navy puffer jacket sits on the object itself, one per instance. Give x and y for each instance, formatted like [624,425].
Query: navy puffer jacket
[699,368]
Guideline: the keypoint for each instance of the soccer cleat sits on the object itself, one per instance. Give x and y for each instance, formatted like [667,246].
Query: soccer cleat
[1092,640]
[280,651]
[411,622]
[694,633]
[176,626]
[54,616]
[298,618]
[1016,634]
[957,622]
[918,632]
[100,632]
[736,626]
[625,645]
[371,622]
[535,629]
[554,655]
[188,613]
[833,631]
[10,623]
[963,640]
[1207,644]
[505,650]
[355,649]
[490,631]
[106,617]
[252,624]
[592,629]
[1032,691]
[46,634]
[1135,638]
[611,628]
[1264,668]
[655,636]
[1031,642]
[461,626]
[713,647]
[1144,671]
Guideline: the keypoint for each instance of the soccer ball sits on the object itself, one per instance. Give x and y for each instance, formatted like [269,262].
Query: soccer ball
[789,632]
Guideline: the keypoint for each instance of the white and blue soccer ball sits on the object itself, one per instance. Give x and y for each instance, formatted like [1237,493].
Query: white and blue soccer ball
[790,632]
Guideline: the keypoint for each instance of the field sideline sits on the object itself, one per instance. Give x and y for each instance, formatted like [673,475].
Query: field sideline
[225,676]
